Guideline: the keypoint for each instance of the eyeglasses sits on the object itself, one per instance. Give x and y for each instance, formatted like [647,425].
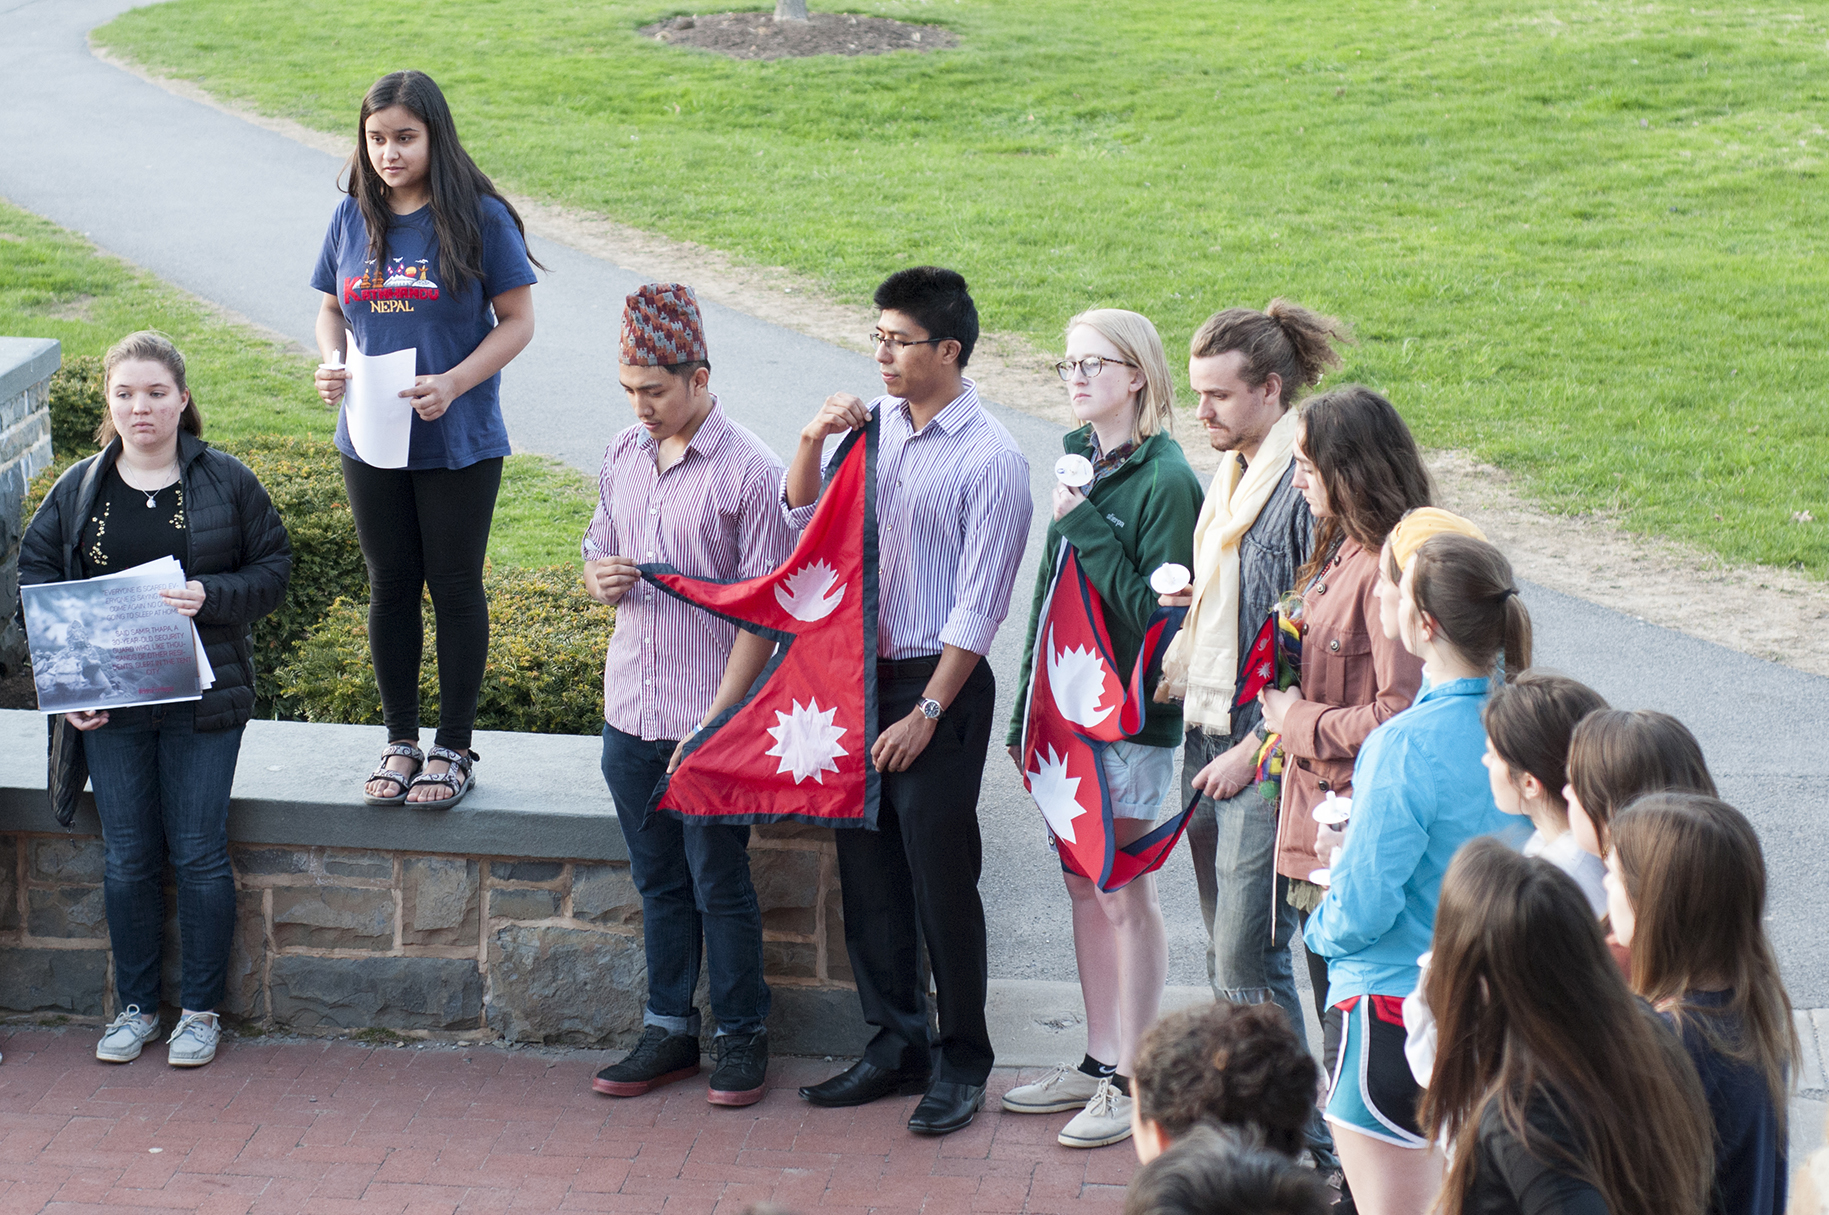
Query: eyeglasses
[1091,365]
[895,343]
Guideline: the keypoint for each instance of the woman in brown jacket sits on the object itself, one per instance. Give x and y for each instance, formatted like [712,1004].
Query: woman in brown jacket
[1360,470]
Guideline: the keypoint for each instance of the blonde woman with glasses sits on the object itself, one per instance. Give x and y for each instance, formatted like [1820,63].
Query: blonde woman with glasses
[1137,513]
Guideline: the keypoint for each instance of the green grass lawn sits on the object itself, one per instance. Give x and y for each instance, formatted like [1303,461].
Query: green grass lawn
[55,284]
[1584,240]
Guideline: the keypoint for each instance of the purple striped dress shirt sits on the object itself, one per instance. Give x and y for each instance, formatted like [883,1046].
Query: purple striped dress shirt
[952,514]
[715,514]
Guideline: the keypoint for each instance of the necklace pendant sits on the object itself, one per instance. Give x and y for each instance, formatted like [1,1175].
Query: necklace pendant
[152,500]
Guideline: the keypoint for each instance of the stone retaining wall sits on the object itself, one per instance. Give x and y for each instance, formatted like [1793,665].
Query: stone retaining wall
[421,944]
[26,366]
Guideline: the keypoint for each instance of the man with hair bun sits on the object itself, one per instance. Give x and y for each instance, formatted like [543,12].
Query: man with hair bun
[688,487]
[1255,531]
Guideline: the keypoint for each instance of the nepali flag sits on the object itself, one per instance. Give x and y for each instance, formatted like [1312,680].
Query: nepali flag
[797,747]
[1258,671]
[1077,708]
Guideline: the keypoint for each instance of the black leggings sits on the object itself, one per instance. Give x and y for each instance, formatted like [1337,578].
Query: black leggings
[426,528]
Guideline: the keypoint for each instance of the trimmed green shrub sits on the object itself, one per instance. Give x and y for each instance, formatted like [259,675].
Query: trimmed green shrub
[76,406]
[544,674]
[40,485]
[305,480]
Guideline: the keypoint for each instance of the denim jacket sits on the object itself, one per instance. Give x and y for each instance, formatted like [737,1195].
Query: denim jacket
[1419,793]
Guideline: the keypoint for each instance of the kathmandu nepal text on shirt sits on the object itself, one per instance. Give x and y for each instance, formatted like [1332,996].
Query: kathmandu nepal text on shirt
[407,302]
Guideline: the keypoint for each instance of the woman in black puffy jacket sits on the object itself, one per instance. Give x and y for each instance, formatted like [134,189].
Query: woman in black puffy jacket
[162,773]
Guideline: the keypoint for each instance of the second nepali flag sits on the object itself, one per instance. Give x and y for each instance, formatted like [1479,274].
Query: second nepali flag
[1078,706]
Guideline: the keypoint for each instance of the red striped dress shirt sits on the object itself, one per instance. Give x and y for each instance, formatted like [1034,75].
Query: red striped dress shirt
[952,516]
[715,514]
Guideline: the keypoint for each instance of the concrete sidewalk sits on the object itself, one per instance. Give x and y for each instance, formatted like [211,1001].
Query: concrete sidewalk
[341,1128]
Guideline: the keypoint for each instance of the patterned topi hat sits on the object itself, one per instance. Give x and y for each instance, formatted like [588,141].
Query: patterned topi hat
[661,327]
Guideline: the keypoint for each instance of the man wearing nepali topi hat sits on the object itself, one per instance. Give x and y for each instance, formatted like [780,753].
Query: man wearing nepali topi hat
[687,487]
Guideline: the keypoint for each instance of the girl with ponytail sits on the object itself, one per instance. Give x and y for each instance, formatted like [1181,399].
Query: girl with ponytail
[1419,793]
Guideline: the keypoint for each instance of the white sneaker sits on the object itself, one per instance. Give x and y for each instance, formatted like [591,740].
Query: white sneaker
[125,1035]
[193,1043]
[1105,1120]
[1064,1088]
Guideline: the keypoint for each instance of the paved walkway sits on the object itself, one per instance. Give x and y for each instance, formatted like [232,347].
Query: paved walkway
[339,1128]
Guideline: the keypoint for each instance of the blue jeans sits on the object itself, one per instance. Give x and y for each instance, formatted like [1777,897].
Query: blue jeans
[694,881]
[162,790]
[1242,897]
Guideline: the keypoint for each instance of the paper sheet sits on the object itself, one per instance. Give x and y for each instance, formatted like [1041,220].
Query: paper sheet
[380,419]
[206,673]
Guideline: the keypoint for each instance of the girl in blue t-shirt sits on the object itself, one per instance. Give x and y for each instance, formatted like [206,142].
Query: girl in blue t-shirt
[1686,887]
[424,255]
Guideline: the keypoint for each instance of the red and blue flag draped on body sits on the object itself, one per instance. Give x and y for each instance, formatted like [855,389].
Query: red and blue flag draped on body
[1078,706]
[797,747]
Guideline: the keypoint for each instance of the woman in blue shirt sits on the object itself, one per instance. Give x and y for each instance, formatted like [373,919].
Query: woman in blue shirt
[424,255]
[1419,793]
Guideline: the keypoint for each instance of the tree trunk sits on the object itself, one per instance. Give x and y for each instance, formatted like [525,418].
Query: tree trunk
[790,10]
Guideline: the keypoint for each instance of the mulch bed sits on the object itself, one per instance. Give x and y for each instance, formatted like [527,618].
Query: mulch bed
[759,36]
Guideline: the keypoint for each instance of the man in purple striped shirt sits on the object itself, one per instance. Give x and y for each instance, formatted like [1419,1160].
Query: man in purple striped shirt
[688,487]
[953,516]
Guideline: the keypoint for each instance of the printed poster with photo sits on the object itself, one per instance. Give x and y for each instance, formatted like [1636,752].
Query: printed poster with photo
[111,642]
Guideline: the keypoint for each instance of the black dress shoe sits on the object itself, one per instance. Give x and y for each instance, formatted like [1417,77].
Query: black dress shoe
[863,1083]
[947,1108]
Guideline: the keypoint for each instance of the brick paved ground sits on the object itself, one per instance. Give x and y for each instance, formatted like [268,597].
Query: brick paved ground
[330,1128]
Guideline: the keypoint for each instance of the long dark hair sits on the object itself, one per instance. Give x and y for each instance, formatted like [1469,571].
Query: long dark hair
[1368,463]
[1529,1009]
[1696,877]
[1616,755]
[1529,722]
[458,186]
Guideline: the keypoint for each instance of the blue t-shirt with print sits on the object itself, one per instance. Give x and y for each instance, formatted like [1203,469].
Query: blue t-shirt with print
[406,303]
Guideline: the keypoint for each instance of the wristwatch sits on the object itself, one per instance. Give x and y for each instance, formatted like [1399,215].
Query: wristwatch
[930,708]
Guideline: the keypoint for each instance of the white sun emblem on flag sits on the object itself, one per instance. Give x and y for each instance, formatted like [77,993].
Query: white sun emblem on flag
[1077,679]
[806,741]
[807,593]
[1056,793]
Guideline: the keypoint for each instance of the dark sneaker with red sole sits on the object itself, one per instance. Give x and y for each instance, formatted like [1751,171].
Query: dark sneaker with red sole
[659,1058]
[740,1077]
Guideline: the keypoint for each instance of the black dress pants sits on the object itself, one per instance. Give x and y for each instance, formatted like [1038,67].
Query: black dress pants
[921,866]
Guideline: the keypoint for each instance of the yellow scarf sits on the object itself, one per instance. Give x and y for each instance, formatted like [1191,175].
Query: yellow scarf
[1201,666]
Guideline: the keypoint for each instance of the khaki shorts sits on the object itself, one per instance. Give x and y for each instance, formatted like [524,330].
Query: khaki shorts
[1139,778]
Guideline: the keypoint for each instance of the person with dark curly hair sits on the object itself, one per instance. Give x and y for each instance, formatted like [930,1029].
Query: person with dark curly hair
[1232,1064]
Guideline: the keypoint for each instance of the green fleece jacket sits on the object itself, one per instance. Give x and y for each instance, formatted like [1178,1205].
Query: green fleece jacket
[1134,520]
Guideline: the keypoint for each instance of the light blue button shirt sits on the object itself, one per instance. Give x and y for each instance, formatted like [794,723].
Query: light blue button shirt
[1419,793]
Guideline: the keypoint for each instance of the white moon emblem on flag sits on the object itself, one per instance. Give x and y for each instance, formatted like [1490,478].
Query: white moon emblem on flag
[806,741]
[1056,793]
[808,594]
[1077,679]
